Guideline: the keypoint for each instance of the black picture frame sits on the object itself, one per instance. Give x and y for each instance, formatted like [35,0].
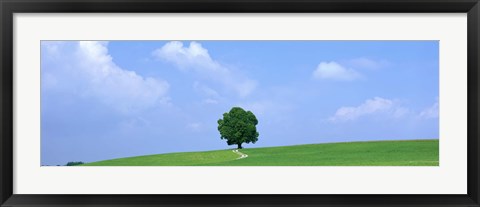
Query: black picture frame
[9,7]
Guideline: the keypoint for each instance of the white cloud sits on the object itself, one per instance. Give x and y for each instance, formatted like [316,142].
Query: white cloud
[194,126]
[210,101]
[376,105]
[88,66]
[368,63]
[52,48]
[210,95]
[400,112]
[430,112]
[205,90]
[334,71]
[196,58]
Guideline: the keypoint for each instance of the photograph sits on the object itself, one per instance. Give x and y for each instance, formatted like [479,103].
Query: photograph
[304,103]
[239,103]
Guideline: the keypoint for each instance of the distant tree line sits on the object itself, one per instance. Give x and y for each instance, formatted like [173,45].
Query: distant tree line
[74,163]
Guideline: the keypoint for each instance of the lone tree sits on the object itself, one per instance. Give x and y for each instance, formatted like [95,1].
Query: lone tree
[238,126]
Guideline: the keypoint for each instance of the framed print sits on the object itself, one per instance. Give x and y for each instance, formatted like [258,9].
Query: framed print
[239,103]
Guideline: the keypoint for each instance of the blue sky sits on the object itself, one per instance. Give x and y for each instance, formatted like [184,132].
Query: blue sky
[104,100]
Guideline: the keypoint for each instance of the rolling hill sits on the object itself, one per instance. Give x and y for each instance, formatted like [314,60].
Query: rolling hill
[371,153]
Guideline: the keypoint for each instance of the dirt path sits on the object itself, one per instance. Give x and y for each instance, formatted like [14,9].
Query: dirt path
[239,153]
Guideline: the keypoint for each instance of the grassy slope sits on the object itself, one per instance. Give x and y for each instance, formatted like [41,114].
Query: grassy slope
[375,153]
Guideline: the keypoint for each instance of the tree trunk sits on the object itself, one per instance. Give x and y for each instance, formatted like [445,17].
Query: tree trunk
[239,146]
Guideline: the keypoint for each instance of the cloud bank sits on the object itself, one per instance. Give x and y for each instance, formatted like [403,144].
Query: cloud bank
[196,59]
[86,69]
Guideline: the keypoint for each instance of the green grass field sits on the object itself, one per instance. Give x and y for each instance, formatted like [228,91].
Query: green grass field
[373,153]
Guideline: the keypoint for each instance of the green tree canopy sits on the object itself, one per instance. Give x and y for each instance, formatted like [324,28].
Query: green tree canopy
[74,163]
[238,126]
